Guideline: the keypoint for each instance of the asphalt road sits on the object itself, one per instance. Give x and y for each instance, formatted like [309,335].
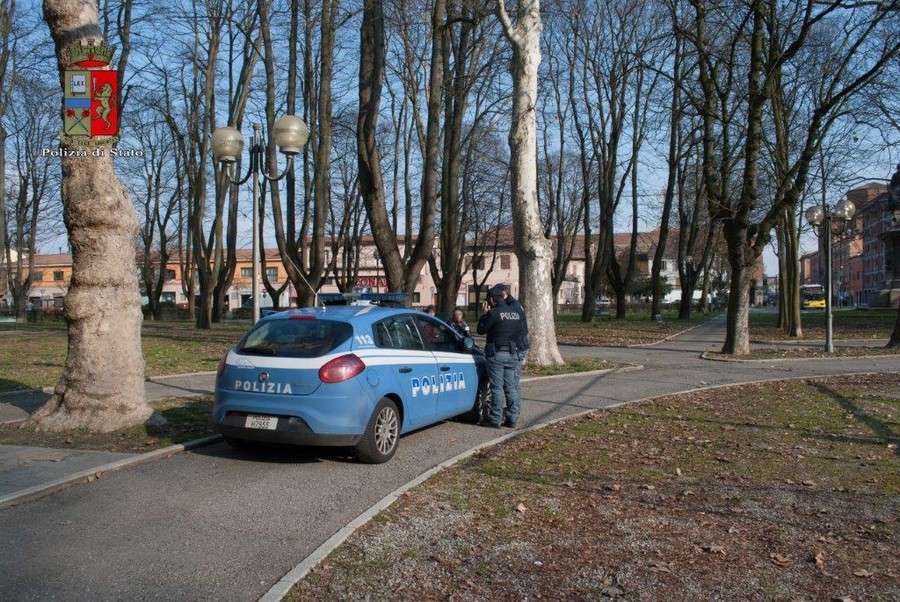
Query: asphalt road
[217,524]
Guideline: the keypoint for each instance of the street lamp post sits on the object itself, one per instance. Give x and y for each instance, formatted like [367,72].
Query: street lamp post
[826,222]
[290,134]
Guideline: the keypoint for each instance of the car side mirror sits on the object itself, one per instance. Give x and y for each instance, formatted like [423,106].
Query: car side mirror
[468,344]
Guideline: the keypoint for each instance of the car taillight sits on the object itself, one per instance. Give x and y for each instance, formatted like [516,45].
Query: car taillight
[341,368]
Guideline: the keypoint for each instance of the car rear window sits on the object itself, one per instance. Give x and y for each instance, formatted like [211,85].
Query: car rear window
[295,338]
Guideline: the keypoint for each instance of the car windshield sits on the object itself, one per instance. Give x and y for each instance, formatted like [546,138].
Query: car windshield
[815,296]
[295,338]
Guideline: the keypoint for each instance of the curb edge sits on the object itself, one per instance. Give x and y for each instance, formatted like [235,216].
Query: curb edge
[38,491]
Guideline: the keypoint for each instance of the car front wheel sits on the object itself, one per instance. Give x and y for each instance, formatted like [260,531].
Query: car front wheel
[382,434]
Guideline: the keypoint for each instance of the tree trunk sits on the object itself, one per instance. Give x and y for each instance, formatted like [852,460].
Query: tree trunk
[620,303]
[737,335]
[102,386]
[791,282]
[532,247]
[687,294]
[895,336]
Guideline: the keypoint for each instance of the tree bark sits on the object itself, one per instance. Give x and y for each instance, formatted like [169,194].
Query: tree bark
[532,247]
[895,336]
[102,386]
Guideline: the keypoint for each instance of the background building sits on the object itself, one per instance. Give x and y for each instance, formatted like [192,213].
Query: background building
[484,266]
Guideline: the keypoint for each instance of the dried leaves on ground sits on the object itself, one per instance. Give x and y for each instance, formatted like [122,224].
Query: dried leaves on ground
[778,491]
[636,329]
[186,419]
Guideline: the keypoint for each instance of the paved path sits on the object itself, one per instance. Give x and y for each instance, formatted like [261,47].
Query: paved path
[217,524]
[23,467]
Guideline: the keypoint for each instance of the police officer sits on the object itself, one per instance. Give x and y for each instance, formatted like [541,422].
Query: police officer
[503,323]
[523,343]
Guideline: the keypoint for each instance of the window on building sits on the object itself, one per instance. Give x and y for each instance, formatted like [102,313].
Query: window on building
[246,272]
[664,265]
[475,262]
[167,297]
[170,275]
[58,275]
[504,262]
[417,298]
[272,274]
[37,276]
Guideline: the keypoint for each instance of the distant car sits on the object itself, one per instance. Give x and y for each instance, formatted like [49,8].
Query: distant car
[356,376]
[813,301]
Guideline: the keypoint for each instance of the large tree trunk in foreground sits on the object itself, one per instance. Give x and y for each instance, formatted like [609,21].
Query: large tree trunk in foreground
[102,386]
[532,247]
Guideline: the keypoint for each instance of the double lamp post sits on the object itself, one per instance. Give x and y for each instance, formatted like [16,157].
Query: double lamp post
[290,135]
[828,222]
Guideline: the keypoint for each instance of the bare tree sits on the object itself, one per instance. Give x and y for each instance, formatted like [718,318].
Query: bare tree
[160,188]
[7,75]
[776,37]
[532,247]
[401,273]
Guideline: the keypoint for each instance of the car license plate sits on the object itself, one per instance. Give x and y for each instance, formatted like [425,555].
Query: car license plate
[269,423]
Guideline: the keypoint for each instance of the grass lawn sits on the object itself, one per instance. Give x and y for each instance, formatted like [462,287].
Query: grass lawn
[848,324]
[189,418]
[33,357]
[582,364]
[779,491]
[635,328]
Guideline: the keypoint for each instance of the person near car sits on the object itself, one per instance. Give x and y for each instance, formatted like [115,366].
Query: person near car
[458,323]
[522,344]
[429,310]
[503,324]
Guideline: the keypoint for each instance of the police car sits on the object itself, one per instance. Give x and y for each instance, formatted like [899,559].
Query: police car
[352,375]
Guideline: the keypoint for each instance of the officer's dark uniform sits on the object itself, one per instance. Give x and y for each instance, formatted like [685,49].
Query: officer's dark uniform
[504,327]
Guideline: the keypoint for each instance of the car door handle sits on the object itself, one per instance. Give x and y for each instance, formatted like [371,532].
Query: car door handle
[405,370]
[445,368]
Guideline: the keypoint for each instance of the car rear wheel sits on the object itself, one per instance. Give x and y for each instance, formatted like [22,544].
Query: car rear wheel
[382,434]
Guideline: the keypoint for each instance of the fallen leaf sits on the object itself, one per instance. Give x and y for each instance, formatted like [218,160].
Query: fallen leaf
[714,549]
[780,560]
[809,483]
[660,566]
[538,563]
[862,573]
[521,508]
[678,471]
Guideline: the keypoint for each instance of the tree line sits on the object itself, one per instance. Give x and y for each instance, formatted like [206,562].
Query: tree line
[712,123]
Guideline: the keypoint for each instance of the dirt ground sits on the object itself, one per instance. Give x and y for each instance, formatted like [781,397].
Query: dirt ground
[635,329]
[781,491]
[811,352]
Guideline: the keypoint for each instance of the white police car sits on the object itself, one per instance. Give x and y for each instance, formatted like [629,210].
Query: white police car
[352,375]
